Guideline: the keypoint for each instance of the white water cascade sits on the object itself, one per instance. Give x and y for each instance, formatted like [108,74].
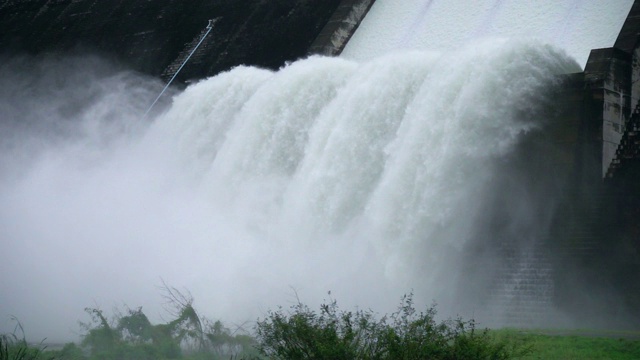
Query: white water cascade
[367,179]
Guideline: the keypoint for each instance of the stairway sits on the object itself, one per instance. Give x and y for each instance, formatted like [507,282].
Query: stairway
[629,147]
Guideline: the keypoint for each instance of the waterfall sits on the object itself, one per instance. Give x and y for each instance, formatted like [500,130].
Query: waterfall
[368,179]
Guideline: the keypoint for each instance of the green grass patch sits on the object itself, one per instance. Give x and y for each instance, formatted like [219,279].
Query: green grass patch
[575,344]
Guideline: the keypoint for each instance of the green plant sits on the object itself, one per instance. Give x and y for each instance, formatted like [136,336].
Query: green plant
[406,334]
[14,348]
[130,335]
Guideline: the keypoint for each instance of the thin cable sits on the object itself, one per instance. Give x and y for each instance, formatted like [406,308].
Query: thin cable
[209,27]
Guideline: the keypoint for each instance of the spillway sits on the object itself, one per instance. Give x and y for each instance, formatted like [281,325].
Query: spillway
[440,25]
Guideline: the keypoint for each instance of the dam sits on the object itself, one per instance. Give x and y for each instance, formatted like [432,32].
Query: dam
[498,179]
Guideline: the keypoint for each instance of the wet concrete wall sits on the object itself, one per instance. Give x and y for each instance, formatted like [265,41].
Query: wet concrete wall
[596,239]
[149,36]
[341,26]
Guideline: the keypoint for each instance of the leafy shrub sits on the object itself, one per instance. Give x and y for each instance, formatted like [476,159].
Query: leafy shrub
[131,336]
[406,334]
[14,348]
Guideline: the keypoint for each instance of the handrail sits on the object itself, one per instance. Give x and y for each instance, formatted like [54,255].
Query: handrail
[209,27]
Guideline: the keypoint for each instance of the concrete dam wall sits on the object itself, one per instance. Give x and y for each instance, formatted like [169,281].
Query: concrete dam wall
[149,36]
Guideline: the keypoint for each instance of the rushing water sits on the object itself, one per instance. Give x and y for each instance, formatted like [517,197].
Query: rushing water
[365,179]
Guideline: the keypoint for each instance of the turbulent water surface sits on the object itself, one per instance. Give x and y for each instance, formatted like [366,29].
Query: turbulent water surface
[365,179]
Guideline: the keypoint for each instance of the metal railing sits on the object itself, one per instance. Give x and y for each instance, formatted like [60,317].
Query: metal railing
[208,30]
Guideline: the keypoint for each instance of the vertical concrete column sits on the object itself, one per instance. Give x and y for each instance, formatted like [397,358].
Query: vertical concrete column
[628,41]
[608,75]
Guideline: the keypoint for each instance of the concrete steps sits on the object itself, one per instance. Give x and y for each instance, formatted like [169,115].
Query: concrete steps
[629,147]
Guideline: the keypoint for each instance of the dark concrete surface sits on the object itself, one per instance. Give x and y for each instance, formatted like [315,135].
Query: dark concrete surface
[148,35]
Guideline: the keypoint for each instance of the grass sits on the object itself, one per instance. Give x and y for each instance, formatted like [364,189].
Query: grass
[575,344]
[548,344]
[13,348]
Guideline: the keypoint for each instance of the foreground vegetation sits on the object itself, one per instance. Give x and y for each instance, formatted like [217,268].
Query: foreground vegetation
[574,345]
[302,333]
[14,348]
[131,336]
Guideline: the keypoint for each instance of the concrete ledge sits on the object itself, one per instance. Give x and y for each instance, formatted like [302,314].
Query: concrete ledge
[341,26]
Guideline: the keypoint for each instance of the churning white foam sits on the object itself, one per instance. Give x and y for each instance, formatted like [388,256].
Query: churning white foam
[360,178]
